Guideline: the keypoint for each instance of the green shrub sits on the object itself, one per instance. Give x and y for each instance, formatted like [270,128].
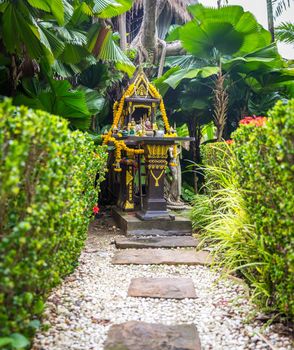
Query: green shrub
[265,170]
[251,224]
[201,211]
[214,157]
[47,192]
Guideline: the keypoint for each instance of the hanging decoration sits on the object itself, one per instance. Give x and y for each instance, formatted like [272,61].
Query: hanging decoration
[140,95]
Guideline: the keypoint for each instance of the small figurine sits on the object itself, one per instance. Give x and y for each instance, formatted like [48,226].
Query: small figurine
[115,130]
[159,133]
[129,127]
[139,129]
[142,127]
[132,130]
[148,127]
[125,132]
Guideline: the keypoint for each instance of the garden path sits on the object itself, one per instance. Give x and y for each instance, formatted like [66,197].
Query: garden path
[91,308]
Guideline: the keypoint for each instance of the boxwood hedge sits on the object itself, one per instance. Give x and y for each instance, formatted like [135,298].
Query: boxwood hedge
[265,170]
[247,215]
[48,187]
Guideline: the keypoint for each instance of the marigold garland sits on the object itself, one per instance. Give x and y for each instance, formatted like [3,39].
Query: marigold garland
[118,113]
[156,94]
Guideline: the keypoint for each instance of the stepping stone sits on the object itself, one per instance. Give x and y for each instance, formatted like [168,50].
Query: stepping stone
[156,242]
[160,256]
[167,288]
[135,335]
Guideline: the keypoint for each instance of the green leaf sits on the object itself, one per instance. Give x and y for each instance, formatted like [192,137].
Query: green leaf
[111,8]
[285,32]
[19,341]
[39,307]
[161,84]
[56,7]
[5,341]
[35,324]
[60,100]
[73,54]
[173,33]
[111,52]
[95,102]
[20,29]
[226,31]
[49,39]
[40,4]
[175,79]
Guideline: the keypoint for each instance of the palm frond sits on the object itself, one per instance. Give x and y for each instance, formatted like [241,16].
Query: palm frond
[185,61]
[111,8]
[285,32]
[281,6]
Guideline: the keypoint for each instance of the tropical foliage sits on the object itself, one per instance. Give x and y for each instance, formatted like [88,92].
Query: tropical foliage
[228,54]
[58,40]
[285,32]
[47,192]
[247,214]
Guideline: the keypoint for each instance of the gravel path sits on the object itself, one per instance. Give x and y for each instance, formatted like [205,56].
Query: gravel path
[82,309]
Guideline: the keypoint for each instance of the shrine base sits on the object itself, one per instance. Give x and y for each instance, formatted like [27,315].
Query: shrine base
[131,225]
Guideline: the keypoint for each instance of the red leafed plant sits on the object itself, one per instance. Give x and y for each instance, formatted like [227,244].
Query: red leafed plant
[254,120]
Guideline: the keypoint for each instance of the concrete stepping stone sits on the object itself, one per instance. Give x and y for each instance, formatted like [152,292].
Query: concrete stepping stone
[156,242]
[167,288]
[161,256]
[134,335]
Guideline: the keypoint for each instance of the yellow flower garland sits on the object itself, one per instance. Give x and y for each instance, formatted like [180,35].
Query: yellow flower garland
[156,94]
[118,113]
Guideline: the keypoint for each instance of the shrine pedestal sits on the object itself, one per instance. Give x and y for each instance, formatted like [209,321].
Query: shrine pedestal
[131,225]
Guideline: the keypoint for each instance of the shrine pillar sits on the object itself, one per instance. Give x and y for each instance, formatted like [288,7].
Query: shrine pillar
[154,203]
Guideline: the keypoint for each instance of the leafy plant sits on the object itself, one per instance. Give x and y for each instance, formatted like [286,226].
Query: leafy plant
[264,168]
[285,32]
[50,41]
[201,212]
[230,44]
[48,187]
[250,226]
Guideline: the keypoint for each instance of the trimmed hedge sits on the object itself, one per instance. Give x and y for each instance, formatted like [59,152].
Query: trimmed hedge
[250,190]
[47,192]
[265,170]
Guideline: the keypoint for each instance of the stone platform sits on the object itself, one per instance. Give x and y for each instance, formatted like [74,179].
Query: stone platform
[133,226]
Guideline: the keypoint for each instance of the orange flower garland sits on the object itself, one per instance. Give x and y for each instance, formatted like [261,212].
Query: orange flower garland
[118,113]
[156,94]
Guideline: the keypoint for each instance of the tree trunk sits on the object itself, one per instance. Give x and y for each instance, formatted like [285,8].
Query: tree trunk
[270,18]
[122,31]
[221,100]
[150,48]
[195,131]
[220,3]
[149,38]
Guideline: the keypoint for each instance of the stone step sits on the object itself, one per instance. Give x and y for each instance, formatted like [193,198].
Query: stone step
[156,242]
[135,335]
[161,256]
[167,288]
